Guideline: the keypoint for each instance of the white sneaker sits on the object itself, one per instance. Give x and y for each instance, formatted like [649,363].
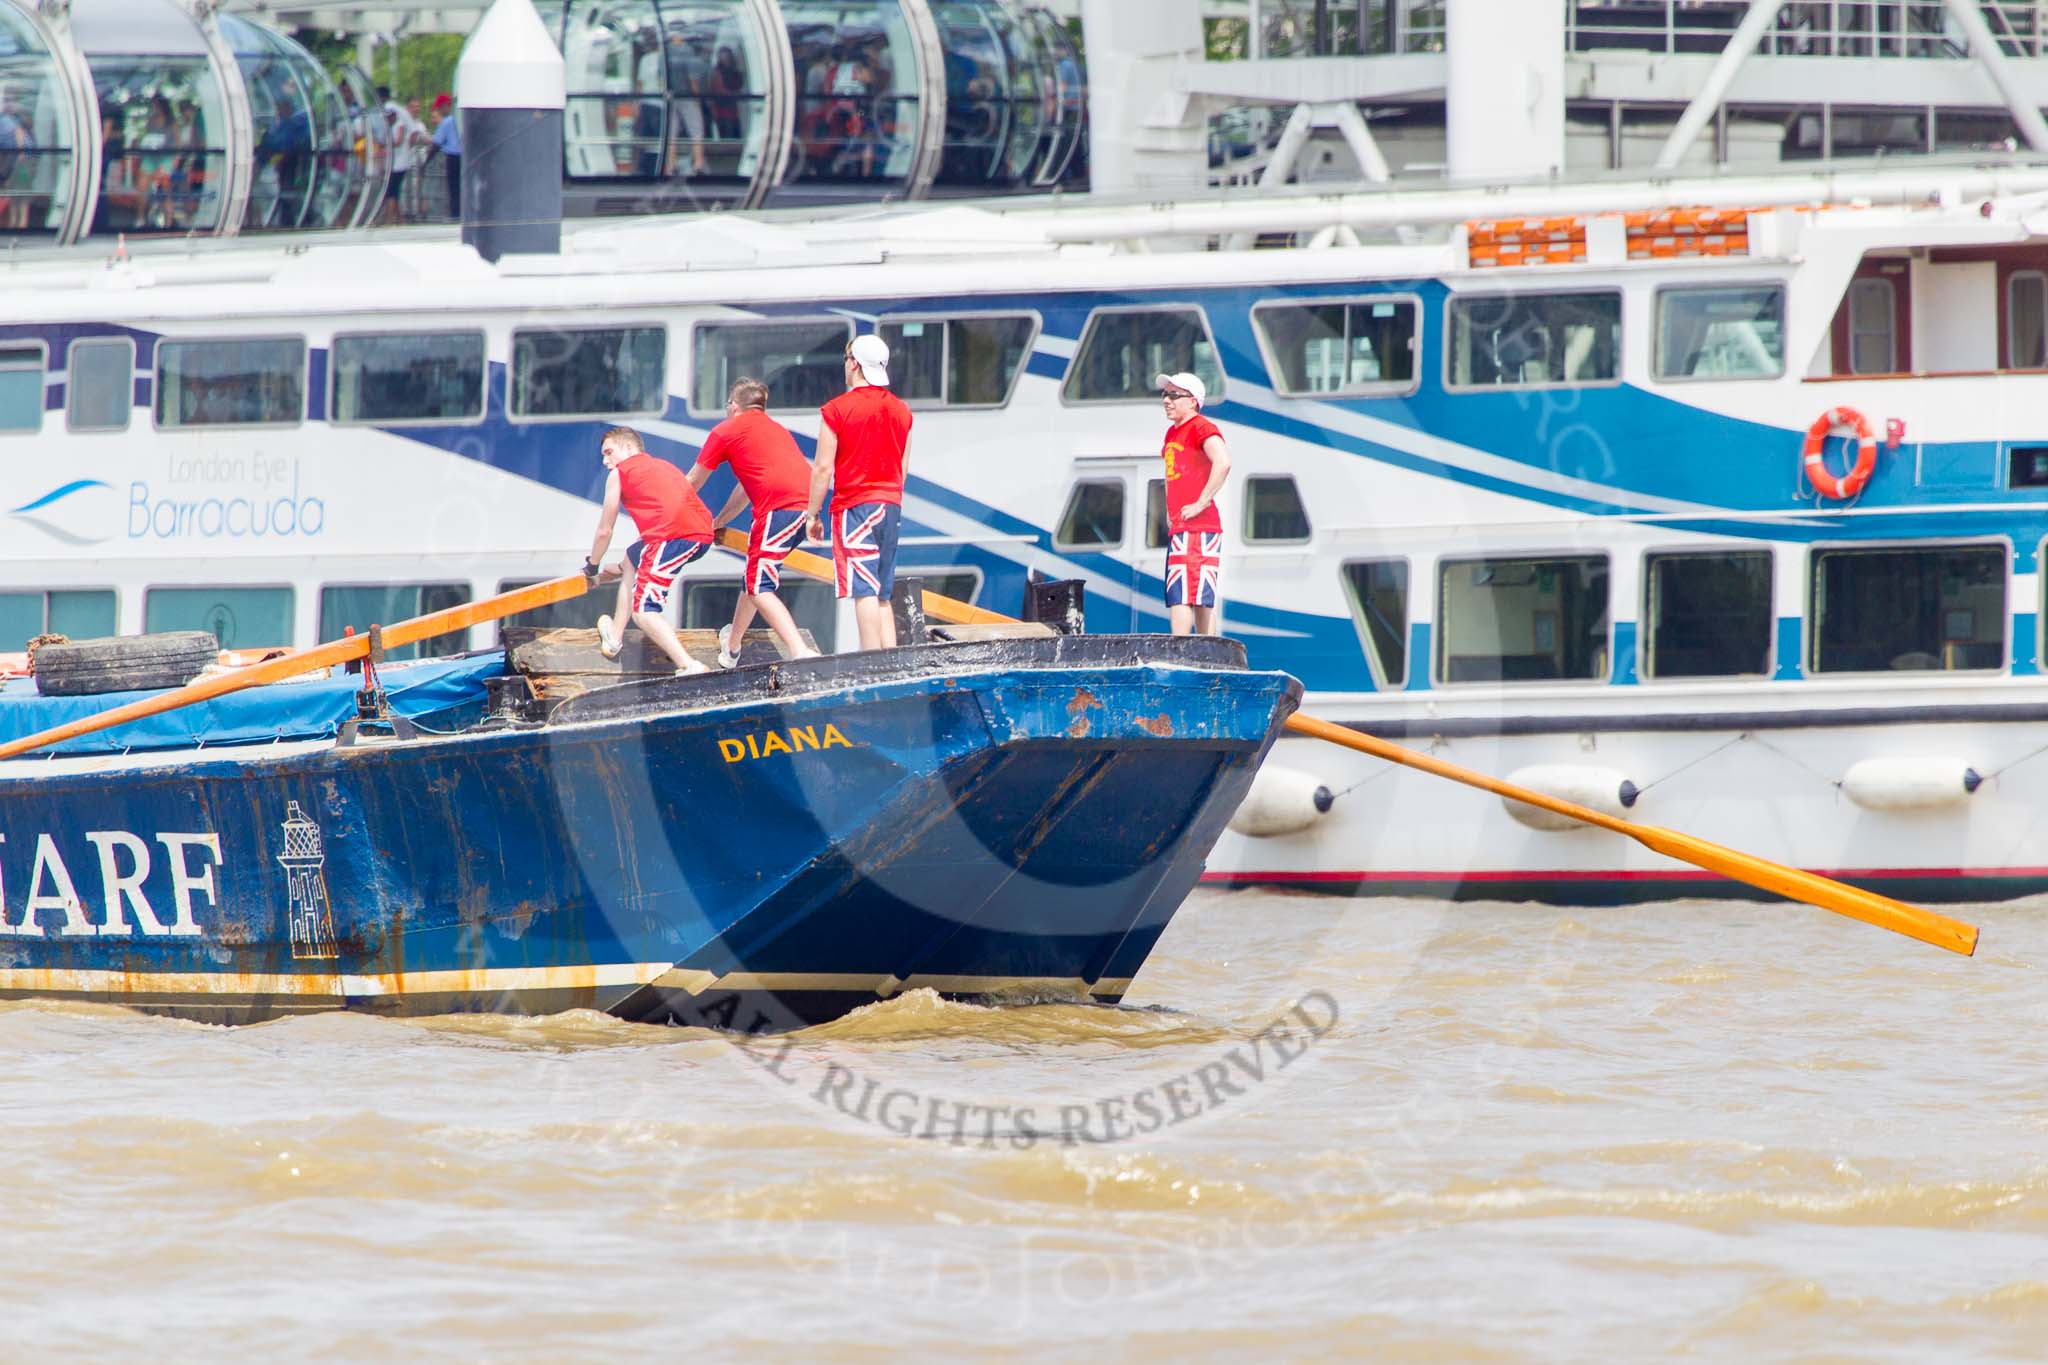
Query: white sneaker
[727,657]
[608,642]
[806,654]
[691,669]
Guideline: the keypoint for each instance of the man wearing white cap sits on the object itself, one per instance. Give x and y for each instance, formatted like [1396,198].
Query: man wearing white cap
[1197,462]
[863,448]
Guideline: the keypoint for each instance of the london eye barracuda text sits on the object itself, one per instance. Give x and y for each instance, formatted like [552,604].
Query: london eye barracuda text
[269,502]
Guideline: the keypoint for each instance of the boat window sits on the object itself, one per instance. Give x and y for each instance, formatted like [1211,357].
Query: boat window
[1721,333]
[1273,510]
[1094,518]
[99,392]
[802,363]
[408,377]
[1156,527]
[573,613]
[589,372]
[1337,348]
[1124,350]
[79,614]
[342,608]
[1872,348]
[962,585]
[21,388]
[708,604]
[1910,610]
[1522,620]
[240,618]
[958,362]
[1708,616]
[249,382]
[1535,340]
[2026,320]
[1378,589]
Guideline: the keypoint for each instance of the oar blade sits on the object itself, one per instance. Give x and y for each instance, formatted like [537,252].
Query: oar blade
[1813,889]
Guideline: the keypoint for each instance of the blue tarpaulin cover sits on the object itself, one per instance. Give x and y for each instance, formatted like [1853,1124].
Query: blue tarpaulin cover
[443,693]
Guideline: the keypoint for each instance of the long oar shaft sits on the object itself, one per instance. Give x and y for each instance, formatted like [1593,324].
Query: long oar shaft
[1792,882]
[444,622]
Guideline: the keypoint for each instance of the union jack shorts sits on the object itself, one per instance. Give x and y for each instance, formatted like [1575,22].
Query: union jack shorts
[864,550]
[1194,568]
[774,535]
[655,565]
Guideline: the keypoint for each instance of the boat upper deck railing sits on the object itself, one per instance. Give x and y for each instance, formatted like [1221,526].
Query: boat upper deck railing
[1915,29]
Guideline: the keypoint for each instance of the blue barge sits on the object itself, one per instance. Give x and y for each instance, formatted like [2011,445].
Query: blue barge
[754,850]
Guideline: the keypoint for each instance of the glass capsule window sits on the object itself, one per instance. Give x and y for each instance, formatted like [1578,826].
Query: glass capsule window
[38,139]
[802,363]
[99,390]
[858,92]
[1721,333]
[163,119]
[240,382]
[1522,619]
[1534,341]
[304,142]
[589,372]
[957,362]
[408,377]
[1123,352]
[1326,349]
[1937,608]
[1707,614]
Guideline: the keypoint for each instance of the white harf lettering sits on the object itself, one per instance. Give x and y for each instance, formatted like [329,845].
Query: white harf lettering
[184,881]
[60,895]
[119,887]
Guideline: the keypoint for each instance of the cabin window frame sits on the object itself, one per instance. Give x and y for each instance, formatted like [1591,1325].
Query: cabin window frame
[1621,330]
[1245,498]
[433,647]
[288,588]
[1645,622]
[156,384]
[1123,522]
[1809,654]
[1382,388]
[46,593]
[1663,291]
[2039,277]
[1373,663]
[696,354]
[607,416]
[42,349]
[71,423]
[483,410]
[1440,637]
[1215,396]
[943,404]
[1891,324]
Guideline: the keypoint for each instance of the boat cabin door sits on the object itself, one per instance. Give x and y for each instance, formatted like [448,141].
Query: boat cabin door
[1103,531]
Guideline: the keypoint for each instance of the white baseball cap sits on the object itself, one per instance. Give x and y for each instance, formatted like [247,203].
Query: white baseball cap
[871,353]
[1185,382]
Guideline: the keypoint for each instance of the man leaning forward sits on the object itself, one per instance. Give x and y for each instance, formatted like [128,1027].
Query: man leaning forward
[675,528]
[774,478]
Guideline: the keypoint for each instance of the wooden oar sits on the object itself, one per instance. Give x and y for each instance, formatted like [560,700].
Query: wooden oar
[445,622]
[1793,883]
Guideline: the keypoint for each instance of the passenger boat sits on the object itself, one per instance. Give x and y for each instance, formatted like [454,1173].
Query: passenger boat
[753,849]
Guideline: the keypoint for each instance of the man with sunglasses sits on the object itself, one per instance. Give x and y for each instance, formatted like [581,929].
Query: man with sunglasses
[863,449]
[1197,462]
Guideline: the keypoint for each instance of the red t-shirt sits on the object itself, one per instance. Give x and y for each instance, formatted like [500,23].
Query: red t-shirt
[873,426]
[1187,473]
[660,500]
[774,472]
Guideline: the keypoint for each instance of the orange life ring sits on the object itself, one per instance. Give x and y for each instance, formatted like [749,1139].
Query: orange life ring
[1811,454]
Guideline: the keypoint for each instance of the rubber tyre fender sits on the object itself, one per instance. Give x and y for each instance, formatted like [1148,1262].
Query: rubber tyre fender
[124,663]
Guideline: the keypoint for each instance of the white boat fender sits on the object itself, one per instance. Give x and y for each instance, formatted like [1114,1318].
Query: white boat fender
[1281,801]
[1910,783]
[1601,789]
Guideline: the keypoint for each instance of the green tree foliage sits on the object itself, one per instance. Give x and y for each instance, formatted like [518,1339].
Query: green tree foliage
[420,67]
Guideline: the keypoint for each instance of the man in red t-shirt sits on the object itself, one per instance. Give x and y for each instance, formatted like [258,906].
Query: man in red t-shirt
[774,477]
[675,528]
[863,449]
[1197,462]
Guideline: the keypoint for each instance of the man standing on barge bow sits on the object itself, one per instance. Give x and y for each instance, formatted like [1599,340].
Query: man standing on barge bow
[774,478]
[863,450]
[1197,462]
[675,528]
